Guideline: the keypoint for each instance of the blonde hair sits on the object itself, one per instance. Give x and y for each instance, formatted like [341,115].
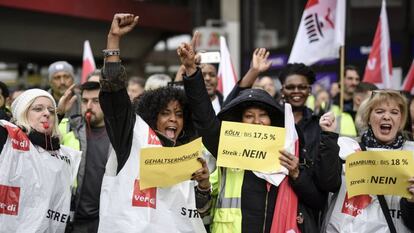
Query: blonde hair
[24,121]
[378,97]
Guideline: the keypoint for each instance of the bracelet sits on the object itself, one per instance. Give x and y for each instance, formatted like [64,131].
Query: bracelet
[111,52]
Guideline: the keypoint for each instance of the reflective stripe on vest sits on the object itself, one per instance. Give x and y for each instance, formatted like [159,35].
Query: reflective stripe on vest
[229,202]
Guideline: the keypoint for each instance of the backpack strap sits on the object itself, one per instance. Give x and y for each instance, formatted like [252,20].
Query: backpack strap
[383,203]
[386,212]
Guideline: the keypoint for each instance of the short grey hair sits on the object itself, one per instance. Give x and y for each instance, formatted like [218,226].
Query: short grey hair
[156,81]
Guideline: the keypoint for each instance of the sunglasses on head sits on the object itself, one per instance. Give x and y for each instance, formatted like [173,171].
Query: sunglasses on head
[375,92]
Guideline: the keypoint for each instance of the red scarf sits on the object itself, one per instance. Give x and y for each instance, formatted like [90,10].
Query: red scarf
[286,208]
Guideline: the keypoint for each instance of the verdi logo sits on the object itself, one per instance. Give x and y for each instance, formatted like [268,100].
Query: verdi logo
[355,205]
[152,138]
[144,198]
[18,138]
[9,200]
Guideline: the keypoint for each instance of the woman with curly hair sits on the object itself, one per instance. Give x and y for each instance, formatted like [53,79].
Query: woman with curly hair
[176,208]
[154,107]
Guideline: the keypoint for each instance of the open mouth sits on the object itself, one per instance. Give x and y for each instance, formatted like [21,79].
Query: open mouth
[170,132]
[209,87]
[385,128]
[297,98]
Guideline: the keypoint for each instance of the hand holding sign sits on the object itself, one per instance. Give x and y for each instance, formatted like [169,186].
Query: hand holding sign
[291,162]
[202,175]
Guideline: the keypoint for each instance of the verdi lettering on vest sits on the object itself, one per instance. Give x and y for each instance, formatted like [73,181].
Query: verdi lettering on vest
[144,198]
[354,206]
[9,200]
[57,216]
[152,138]
[395,213]
[18,138]
[191,213]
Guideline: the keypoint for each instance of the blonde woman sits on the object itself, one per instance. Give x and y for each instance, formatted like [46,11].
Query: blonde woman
[36,172]
[383,116]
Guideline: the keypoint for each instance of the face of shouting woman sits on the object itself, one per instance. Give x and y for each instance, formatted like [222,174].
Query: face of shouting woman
[385,121]
[41,115]
[170,121]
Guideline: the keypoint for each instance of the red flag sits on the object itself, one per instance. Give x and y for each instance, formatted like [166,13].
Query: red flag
[379,65]
[88,65]
[227,78]
[408,84]
[285,214]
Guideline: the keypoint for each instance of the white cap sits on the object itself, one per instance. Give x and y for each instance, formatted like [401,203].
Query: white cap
[22,102]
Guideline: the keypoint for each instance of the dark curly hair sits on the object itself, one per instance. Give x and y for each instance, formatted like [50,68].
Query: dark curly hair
[297,68]
[152,102]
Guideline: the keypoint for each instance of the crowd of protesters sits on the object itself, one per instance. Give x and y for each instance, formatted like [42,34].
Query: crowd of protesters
[68,160]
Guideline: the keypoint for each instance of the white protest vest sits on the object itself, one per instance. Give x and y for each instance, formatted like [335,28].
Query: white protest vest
[35,185]
[362,214]
[126,209]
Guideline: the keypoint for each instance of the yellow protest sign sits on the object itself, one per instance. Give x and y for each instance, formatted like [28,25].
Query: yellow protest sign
[379,172]
[250,147]
[166,166]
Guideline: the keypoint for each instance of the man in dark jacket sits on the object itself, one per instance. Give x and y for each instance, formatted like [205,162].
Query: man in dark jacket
[90,132]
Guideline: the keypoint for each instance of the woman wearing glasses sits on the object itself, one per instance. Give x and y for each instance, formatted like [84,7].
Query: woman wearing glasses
[296,79]
[36,172]
[383,116]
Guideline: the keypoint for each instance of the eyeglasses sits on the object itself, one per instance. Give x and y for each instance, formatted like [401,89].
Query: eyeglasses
[41,108]
[300,87]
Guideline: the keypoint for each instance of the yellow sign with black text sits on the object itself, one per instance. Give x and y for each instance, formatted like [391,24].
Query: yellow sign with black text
[379,172]
[167,166]
[250,147]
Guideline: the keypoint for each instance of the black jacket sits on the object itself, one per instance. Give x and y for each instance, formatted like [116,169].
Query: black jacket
[256,202]
[407,213]
[309,125]
[328,165]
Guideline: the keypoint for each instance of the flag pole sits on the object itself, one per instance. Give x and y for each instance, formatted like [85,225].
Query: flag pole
[341,77]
